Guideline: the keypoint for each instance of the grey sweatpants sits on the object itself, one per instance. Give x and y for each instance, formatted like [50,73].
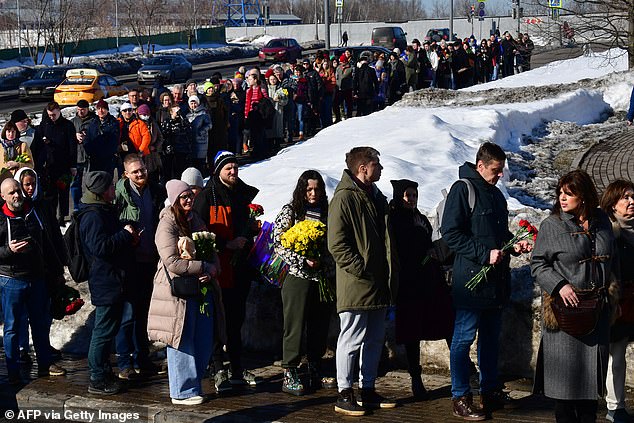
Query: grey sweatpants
[362,334]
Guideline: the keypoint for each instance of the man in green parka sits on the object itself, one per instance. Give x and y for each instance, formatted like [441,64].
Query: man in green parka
[359,242]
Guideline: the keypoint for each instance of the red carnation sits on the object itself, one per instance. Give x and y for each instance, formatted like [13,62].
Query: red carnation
[525,224]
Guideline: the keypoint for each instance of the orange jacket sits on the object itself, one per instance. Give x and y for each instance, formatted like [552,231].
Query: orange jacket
[139,135]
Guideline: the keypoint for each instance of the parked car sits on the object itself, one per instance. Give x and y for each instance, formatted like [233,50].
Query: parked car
[389,37]
[357,50]
[280,50]
[437,34]
[42,85]
[171,68]
[87,84]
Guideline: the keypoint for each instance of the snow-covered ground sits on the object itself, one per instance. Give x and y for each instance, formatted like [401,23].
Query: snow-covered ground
[427,140]
[535,117]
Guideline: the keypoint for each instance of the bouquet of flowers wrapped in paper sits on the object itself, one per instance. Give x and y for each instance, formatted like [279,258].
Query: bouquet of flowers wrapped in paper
[307,238]
[526,230]
[201,246]
[281,96]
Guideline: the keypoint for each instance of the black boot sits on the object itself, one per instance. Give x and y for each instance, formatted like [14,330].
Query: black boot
[418,389]
[292,383]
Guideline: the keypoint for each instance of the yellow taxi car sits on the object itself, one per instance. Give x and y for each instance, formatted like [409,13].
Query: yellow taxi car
[87,84]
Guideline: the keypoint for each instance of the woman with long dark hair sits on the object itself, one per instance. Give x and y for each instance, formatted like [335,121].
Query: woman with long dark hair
[574,251]
[618,203]
[177,322]
[304,314]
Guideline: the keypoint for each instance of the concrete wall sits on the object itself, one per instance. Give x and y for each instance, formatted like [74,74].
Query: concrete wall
[359,33]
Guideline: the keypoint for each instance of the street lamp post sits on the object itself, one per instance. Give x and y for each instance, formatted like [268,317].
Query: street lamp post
[116,21]
[451,20]
[19,32]
[316,23]
[327,23]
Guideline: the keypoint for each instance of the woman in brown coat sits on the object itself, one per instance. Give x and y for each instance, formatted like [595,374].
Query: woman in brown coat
[177,322]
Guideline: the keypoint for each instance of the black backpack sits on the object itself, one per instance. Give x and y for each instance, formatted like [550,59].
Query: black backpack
[78,266]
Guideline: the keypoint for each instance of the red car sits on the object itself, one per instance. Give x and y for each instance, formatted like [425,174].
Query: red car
[280,50]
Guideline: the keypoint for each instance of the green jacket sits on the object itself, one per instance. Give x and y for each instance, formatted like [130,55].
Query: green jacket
[128,210]
[360,243]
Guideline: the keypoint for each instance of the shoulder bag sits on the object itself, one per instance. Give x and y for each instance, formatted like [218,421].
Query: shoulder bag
[581,320]
[184,287]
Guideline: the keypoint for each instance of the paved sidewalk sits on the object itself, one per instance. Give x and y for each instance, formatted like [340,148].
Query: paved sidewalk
[610,159]
[264,404]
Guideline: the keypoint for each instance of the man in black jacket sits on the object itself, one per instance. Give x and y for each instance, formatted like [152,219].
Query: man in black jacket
[224,206]
[365,85]
[476,234]
[102,140]
[106,246]
[81,121]
[23,265]
[54,151]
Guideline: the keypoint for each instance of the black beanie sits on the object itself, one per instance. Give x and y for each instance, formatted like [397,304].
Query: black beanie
[97,182]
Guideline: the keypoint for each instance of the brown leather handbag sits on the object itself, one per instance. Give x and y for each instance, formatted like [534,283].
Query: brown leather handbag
[581,320]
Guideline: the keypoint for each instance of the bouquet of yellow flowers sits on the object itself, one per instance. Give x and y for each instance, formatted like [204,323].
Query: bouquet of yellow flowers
[306,238]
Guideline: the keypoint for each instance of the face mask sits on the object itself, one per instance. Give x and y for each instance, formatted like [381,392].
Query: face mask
[144,117]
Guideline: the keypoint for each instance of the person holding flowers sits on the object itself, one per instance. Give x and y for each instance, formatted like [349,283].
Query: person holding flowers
[575,251]
[477,236]
[179,323]
[15,153]
[224,206]
[305,313]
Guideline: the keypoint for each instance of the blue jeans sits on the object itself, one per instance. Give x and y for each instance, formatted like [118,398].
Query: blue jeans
[107,320]
[18,295]
[75,187]
[487,323]
[300,116]
[186,364]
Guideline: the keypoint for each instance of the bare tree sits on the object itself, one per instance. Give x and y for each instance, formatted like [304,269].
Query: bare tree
[606,23]
[142,17]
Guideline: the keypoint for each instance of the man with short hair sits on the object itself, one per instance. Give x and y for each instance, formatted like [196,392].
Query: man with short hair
[134,97]
[24,262]
[359,242]
[476,235]
[191,88]
[106,245]
[138,203]
[180,99]
[101,141]
[81,121]
[224,206]
[54,151]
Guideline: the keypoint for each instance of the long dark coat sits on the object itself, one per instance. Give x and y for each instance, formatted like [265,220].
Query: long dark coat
[423,302]
[572,368]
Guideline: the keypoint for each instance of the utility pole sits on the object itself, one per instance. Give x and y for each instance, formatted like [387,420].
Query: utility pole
[519,16]
[316,23]
[451,20]
[327,22]
[19,32]
[116,21]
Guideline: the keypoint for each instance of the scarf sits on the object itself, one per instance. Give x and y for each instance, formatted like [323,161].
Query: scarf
[625,228]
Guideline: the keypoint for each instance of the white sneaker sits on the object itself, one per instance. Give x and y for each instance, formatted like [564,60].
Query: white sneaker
[195,400]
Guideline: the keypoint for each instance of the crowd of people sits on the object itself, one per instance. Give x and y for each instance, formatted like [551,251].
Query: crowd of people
[135,232]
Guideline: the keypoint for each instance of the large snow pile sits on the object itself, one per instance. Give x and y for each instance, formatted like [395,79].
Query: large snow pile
[427,144]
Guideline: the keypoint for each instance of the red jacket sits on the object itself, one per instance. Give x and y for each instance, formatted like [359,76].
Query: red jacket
[254,95]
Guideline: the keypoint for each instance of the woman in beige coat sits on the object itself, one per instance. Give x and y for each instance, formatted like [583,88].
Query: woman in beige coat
[179,323]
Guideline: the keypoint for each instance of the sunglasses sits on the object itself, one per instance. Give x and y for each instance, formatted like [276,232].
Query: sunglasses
[187,197]
[127,111]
